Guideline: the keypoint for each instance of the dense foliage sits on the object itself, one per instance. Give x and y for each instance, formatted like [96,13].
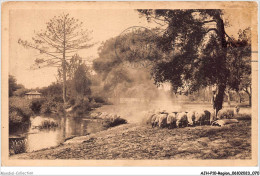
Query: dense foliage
[239,63]
[13,86]
[19,113]
[195,47]
[121,59]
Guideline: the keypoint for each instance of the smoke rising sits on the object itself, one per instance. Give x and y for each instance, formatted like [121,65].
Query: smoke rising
[132,93]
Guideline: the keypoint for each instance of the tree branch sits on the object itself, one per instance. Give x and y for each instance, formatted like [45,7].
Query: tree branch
[49,65]
[209,21]
[79,47]
[46,60]
[53,45]
[232,40]
[159,23]
[34,47]
[212,29]
[53,30]
[58,42]
[166,21]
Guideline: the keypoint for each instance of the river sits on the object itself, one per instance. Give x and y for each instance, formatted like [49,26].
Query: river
[32,139]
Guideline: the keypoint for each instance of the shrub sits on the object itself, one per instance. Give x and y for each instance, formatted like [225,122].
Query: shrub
[47,124]
[50,106]
[21,103]
[36,105]
[19,114]
[21,92]
[17,146]
[81,106]
[117,121]
[18,119]
[60,108]
[57,99]
[99,99]
[15,117]
[47,107]
[111,122]
[84,105]
[54,90]
[94,104]
[72,101]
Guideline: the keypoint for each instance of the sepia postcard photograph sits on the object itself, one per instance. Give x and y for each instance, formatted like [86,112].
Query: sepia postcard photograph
[129,84]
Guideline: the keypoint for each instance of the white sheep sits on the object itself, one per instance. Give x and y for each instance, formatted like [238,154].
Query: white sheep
[199,117]
[191,117]
[181,119]
[155,120]
[225,114]
[223,122]
[171,120]
[148,118]
[162,120]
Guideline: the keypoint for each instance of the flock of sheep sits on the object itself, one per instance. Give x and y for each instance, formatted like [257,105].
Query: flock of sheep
[170,120]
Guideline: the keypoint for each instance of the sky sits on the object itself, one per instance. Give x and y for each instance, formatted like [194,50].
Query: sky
[104,24]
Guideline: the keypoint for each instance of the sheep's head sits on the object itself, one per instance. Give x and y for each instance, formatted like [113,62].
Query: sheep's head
[178,123]
[191,123]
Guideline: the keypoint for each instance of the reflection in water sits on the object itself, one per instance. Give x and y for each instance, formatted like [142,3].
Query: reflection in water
[35,139]
[43,139]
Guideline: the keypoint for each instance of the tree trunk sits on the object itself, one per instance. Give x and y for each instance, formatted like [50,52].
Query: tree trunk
[228,98]
[64,81]
[249,97]
[221,64]
[64,65]
[250,100]
[239,97]
[220,97]
[204,94]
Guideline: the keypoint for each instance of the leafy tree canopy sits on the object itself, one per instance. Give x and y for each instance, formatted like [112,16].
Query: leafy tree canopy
[13,86]
[194,43]
[195,46]
[122,58]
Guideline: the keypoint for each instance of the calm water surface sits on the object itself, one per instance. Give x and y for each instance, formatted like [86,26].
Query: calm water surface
[32,139]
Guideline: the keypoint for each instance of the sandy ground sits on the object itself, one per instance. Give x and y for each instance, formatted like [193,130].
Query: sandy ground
[136,141]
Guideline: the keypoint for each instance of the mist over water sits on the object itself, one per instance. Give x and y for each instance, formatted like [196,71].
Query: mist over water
[132,92]
[133,108]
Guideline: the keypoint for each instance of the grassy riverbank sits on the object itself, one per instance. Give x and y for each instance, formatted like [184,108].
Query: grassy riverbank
[134,141]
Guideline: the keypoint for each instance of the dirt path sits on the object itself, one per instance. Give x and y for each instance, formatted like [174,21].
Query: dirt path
[134,141]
